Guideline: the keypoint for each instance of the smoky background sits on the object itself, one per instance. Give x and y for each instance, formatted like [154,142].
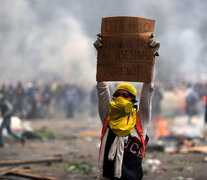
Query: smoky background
[53,39]
[48,75]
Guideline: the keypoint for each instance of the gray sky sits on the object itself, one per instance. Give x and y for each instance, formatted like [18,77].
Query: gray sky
[44,38]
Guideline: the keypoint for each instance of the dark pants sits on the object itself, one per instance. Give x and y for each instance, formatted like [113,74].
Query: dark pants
[7,124]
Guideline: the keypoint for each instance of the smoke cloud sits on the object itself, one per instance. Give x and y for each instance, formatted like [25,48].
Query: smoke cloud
[53,39]
[35,43]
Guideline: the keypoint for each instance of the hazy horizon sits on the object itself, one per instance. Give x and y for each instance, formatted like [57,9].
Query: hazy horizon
[54,39]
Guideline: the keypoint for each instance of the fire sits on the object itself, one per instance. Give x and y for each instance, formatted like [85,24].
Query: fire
[162,127]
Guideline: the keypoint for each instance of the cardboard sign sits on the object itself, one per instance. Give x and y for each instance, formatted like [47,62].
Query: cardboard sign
[125,55]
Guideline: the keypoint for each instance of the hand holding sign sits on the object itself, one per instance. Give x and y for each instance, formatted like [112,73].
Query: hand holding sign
[152,43]
[98,43]
[125,55]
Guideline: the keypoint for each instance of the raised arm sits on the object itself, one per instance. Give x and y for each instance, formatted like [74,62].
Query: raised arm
[145,104]
[102,89]
[103,99]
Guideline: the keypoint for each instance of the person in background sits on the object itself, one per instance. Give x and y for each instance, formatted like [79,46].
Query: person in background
[46,100]
[192,98]
[71,96]
[205,101]
[6,110]
[156,103]
[19,99]
[10,94]
[32,102]
[94,102]
[124,131]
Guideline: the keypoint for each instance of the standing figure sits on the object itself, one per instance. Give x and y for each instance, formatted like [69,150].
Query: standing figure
[71,96]
[192,98]
[19,99]
[46,100]
[6,112]
[124,131]
[206,112]
[32,112]
[156,103]
[94,102]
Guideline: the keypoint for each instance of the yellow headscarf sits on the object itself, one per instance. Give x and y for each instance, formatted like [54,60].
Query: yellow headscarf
[122,114]
[127,87]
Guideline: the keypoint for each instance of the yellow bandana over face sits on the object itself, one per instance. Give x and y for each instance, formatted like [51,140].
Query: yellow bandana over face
[122,116]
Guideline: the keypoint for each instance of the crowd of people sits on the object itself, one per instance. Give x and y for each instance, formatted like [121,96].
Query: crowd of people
[192,98]
[47,100]
[33,100]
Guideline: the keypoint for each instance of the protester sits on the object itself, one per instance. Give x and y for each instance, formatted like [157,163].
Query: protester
[156,103]
[94,102]
[205,102]
[123,146]
[6,112]
[46,99]
[71,96]
[206,112]
[31,102]
[192,98]
[10,94]
[19,99]
[59,99]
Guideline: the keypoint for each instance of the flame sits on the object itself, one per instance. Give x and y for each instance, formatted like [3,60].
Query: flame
[162,127]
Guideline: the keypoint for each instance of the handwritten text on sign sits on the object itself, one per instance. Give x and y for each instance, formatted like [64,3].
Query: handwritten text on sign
[125,55]
[122,49]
